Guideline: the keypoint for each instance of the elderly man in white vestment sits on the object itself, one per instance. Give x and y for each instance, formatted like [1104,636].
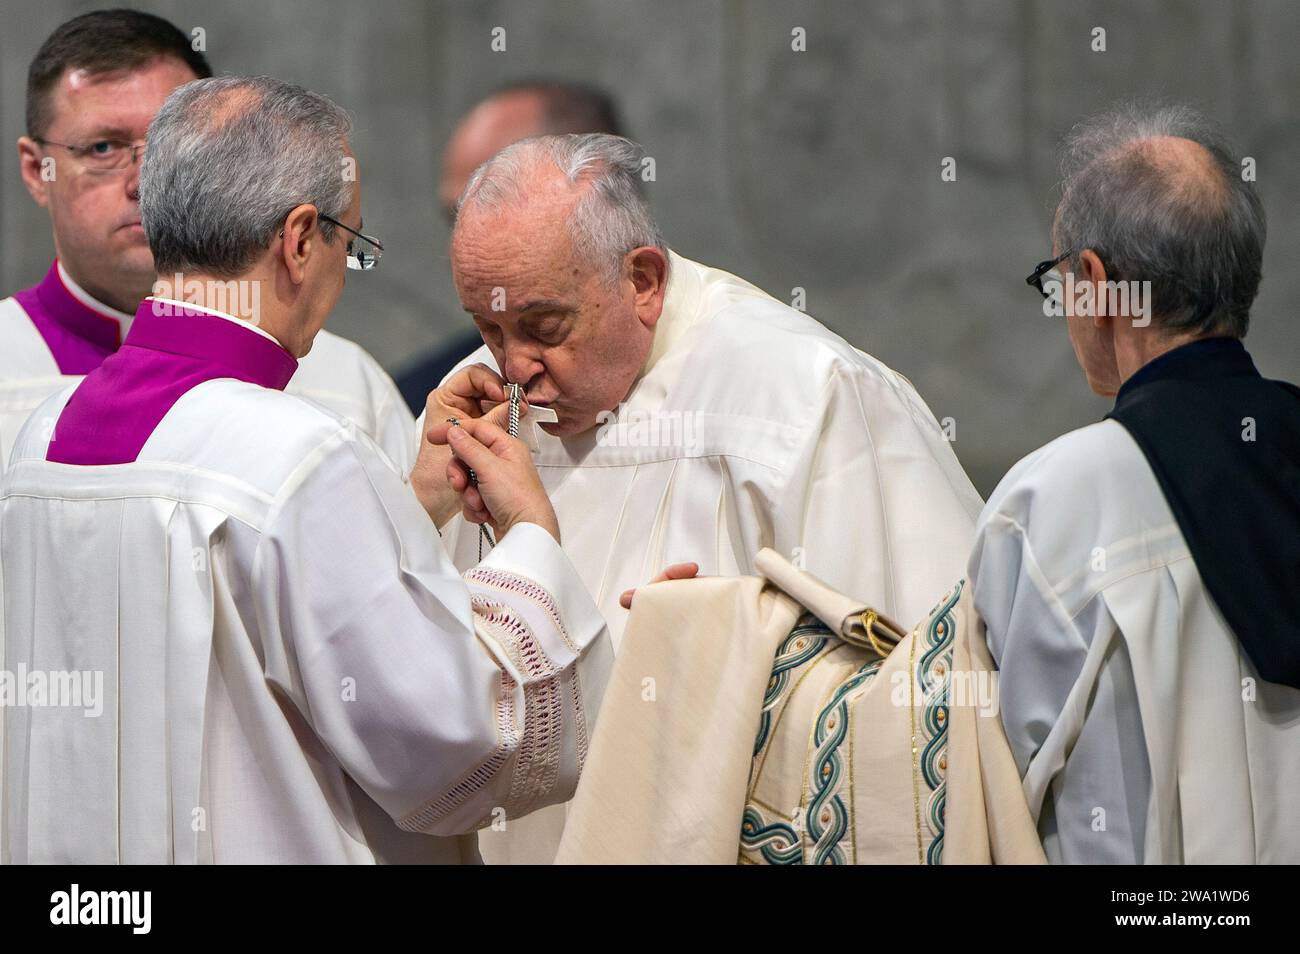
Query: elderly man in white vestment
[92,89]
[290,669]
[1138,576]
[699,419]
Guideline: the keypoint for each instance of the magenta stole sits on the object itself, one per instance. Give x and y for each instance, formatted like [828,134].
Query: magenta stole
[120,403]
[78,337]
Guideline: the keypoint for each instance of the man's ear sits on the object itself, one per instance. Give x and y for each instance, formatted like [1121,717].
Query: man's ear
[31,164]
[647,268]
[299,237]
[1092,270]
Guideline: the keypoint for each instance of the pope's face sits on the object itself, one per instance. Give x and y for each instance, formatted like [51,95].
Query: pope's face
[96,215]
[552,321]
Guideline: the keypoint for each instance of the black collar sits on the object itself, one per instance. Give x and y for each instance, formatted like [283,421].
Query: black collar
[1201,360]
[1224,445]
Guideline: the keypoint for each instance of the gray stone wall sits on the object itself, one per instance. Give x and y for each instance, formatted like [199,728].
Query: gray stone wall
[817,169]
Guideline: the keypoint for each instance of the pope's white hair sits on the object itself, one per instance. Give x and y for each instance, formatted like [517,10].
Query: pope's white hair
[612,216]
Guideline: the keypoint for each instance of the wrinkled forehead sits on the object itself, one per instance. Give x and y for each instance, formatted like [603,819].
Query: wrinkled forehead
[518,242]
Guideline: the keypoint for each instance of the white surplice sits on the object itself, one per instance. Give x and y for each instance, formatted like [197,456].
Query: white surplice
[292,669]
[342,376]
[338,374]
[750,426]
[1139,725]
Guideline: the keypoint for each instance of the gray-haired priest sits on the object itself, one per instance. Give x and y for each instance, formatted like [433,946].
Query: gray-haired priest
[92,88]
[699,419]
[273,658]
[1138,577]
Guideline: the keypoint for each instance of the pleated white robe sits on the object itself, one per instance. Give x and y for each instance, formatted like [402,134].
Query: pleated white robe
[1141,728]
[293,670]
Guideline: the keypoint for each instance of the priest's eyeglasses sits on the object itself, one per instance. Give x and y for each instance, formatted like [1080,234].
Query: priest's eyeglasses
[102,155]
[1043,270]
[363,251]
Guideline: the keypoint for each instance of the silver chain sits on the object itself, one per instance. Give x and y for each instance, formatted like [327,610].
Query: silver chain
[514,394]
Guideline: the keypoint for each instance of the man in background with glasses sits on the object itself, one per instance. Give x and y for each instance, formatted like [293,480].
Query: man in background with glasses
[1138,576]
[92,90]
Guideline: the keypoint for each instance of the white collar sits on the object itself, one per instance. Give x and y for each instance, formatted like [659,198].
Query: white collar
[220,314]
[680,309]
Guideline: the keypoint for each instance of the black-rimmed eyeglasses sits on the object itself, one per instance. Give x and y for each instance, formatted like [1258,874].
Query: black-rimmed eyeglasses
[1040,271]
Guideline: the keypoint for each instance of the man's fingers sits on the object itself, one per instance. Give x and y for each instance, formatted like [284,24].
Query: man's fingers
[457,475]
[677,571]
[465,391]
[471,501]
[438,402]
[497,418]
[436,431]
[479,443]
[487,435]
[680,571]
[499,414]
[476,382]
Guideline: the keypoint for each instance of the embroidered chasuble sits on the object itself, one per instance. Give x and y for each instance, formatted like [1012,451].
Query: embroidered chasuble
[775,721]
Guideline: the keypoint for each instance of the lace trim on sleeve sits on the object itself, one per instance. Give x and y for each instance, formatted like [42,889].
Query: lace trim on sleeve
[548,691]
